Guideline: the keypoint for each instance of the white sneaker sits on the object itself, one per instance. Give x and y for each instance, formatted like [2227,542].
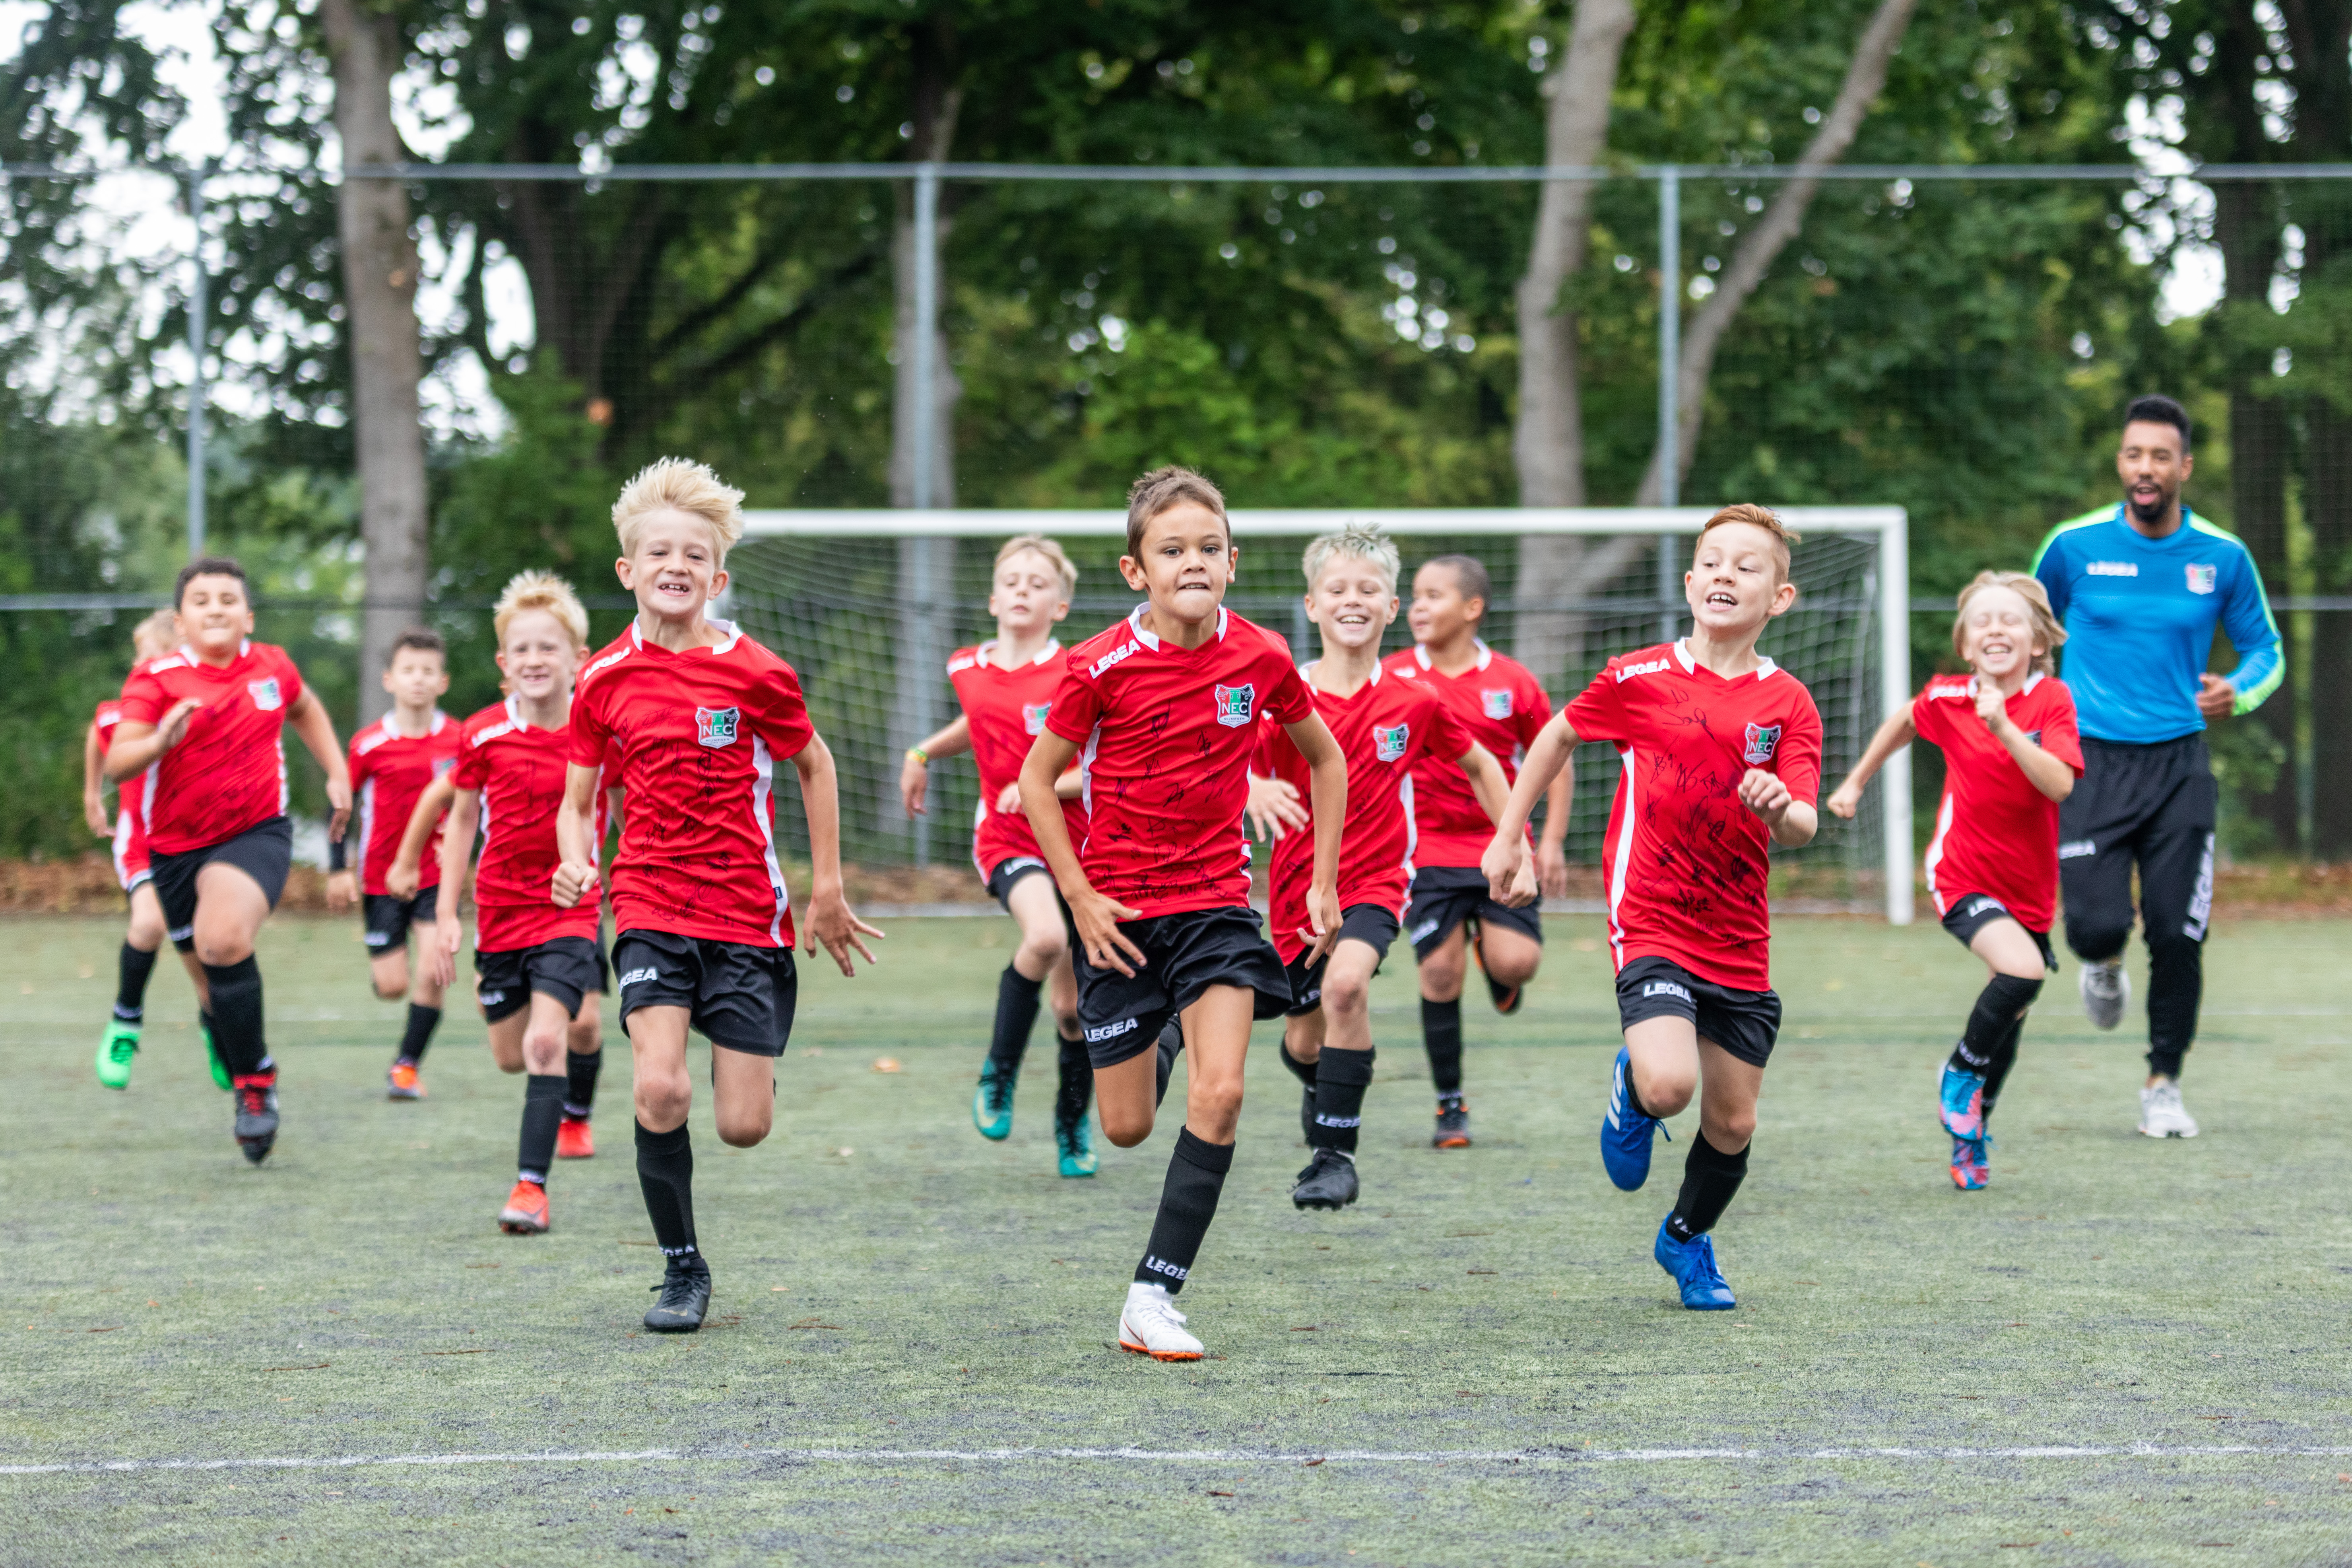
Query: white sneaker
[1151,1325]
[2107,991]
[2161,1114]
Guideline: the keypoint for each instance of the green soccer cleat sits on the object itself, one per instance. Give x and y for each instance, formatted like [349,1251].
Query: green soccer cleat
[991,1103]
[1074,1147]
[212,1055]
[114,1053]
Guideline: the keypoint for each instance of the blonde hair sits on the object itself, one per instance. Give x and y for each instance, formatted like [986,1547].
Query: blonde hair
[1059,558]
[679,484]
[1164,489]
[2038,612]
[159,631]
[1754,516]
[541,590]
[1365,542]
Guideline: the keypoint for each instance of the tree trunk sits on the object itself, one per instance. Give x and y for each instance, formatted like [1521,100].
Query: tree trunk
[379,296]
[1865,74]
[1547,446]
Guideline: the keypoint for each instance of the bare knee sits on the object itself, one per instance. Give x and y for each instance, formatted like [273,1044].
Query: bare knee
[1666,1093]
[1125,1131]
[742,1129]
[391,993]
[1041,951]
[663,1101]
[219,952]
[1731,1132]
[542,1050]
[1346,998]
[1441,975]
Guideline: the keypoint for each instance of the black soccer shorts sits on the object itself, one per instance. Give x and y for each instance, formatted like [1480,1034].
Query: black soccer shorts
[1013,869]
[384,918]
[568,968]
[1183,954]
[1375,925]
[735,995]
[264,852]
[1745,1022]
[1971,913]
[1443,897]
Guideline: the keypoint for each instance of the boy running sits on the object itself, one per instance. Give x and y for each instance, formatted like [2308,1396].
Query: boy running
[209,719]
[1165,707]
[1007,687]
[1722,753]
[393,762]
[151,639]
[696,714]
[540,971]
[1387,728]
[1502,706]
[2011,755]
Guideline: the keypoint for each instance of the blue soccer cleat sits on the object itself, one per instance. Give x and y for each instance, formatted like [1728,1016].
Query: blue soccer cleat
[1625,1132]
[1960,1106]
[1971,1163]
[991,1103]
[1692,1263]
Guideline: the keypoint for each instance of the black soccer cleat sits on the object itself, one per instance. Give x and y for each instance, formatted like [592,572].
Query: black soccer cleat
[256,1117]
[685,1298]
[1507,998]
[1452,1125]
[1327,1182]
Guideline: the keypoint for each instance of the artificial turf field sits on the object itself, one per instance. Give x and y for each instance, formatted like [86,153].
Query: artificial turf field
[2123,1351]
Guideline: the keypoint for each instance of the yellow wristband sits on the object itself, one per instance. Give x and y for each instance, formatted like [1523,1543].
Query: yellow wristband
[917,754]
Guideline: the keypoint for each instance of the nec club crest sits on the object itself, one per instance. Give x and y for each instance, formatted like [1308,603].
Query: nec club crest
[1032,716]
[265,694]
[716,726]
[2203,579]
[1236,705]
[1389,744]
[1498,704]
[1761,740]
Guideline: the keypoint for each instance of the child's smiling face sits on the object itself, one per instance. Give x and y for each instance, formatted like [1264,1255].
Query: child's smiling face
[1736,583]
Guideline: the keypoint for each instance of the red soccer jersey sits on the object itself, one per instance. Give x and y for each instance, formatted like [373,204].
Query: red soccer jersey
[1685,862]
[697,735]
[229,772]
[1007,709]
[1502,705]
[389,770]
[519,768]
[1995,832]
[130,827]
[1166,736]
[1387,731]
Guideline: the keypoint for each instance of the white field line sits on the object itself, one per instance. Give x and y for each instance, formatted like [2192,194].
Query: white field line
[1549,1457]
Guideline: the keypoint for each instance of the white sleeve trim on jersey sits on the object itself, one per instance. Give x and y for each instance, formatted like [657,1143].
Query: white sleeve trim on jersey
[1624,854]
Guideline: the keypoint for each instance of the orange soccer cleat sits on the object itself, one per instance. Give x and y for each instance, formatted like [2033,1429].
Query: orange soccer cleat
[526,1210]
[404,1082]
[574,1141]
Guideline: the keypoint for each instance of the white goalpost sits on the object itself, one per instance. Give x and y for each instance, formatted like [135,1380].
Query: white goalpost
[867,605]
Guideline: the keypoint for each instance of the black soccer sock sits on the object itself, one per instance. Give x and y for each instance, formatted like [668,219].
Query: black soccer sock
[422,1022]
[1998,1007]
[1303,1071]
[1441,1034]
[1710,1177]
[1188,1201]
[1172,1040]
[1339,1089]
[580,1070]
[131,970]
[666,1172]
[2004,1056]
[543,1112]
[1077,1089]
[1016,1015]
[236,1016]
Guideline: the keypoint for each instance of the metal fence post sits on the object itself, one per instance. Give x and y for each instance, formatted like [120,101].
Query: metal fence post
[1670,330]
[921,587]
[199,314]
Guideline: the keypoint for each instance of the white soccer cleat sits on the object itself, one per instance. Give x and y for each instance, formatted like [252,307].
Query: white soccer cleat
[2161,1114]
[2106,992]
[1151,1325]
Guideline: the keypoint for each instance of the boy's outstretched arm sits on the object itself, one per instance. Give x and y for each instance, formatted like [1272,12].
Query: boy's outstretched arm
[1095,917]
[1494,794]
[829,917]
[456,859]
[1791,821]
[405,874]
[1893,736]
[1506,851]
[1328,790]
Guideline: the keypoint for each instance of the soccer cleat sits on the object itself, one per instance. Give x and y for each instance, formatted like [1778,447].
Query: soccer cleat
[1327,1182]
[404,1082]
[212,1055]
[1151,1325]
[526,1210]
[2106,992]
[1961,1107]
[1507,998]
[114,1054]
[1073,1147]
[685,1298]
[1692,1263]
[1971,1170]
[1626,1131]
[2161,1114]
[1452,1125]
[256,1115]
[991,1102]
[574,1141]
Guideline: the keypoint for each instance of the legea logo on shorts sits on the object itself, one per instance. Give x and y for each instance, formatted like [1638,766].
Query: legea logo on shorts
[1094,1036]
[1665,988]
[1761,740]
[1389,744]
[265,694]
[716,726]
[634,975]
[1032,716]
[1235,704]
[491,998]
[1987,907]
[2075,849]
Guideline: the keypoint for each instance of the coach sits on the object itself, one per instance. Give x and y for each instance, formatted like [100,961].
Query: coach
[2140,588]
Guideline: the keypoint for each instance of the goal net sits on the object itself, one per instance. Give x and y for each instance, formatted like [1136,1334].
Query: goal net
[868,606]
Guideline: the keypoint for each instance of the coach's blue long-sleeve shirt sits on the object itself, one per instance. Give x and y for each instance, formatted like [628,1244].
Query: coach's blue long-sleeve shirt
[2139,614]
